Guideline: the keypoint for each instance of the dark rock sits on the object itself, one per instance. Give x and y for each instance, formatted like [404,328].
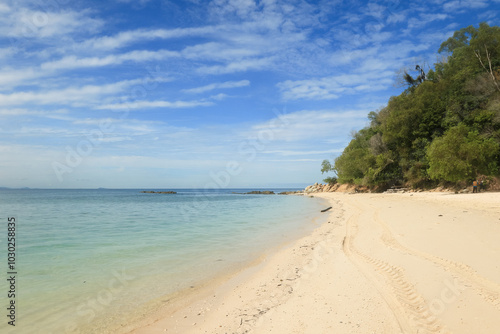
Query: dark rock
[259,192]
[158,192]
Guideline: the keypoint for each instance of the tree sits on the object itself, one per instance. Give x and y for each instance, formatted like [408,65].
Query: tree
[356,159]
[352,165]
[406,79]
[488,69]
[326,167]
[482,43]
[444,127]
[462,154]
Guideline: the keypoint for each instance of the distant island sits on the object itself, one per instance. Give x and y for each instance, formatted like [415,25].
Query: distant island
[257,192]
[269,192]
[158,192]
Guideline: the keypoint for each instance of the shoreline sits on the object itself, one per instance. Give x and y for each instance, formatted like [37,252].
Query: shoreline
[184,315]
[125,253]
[377,259]
[203,289]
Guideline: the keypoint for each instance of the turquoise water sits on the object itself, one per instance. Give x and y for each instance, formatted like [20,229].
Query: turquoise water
[88,258]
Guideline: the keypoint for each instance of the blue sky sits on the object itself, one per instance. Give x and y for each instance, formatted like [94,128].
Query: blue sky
[188,93]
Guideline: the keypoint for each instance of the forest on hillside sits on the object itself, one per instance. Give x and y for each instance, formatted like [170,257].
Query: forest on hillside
[443,129]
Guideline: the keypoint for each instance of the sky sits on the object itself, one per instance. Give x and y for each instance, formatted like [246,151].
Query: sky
[202,94]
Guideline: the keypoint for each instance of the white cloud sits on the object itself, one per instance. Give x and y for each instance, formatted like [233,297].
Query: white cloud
[10,77]
[218,97]
[7,52]
[125,38]
[375,10]
[219,85]
[72,62]
[249,45]
[81,95]
[397,17]
[313,89]
[379,63]
[113,121]
[238,66]
[489,16]
[27,112]
[232,33]
[142,2]
[305,125]
[114,139]
[303,153]
[97,121]
[328,88]
[349,40]
[437,36]
[155,104]
[345,56]
[219,51]
[242,8]
[424,19]
[458,5]
[19,22]
[4,8]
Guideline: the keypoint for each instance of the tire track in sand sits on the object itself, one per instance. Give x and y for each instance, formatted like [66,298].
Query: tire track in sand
[409,307]
[488,290]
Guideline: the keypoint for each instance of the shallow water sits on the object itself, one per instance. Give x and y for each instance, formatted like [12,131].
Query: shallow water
[88,257]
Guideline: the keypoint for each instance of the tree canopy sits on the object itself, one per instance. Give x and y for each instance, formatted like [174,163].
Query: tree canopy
[445,127]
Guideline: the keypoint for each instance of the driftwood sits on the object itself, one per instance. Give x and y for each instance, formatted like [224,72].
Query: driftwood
[325,210]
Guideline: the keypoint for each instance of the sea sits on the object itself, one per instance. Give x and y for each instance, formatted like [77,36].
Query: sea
[87,260]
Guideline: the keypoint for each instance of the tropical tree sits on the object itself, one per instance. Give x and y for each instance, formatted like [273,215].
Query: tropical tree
[462,154]
[444,127]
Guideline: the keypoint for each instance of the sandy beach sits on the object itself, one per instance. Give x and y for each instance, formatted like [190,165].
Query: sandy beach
[384,263]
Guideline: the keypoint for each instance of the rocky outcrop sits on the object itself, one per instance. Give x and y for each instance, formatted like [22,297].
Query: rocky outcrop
[158,192]
[344,188]
[321,188]
[291,192]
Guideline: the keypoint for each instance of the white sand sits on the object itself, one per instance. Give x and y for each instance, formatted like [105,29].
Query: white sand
[385,263]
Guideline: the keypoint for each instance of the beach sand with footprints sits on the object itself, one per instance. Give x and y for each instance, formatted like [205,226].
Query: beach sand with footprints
[384,263]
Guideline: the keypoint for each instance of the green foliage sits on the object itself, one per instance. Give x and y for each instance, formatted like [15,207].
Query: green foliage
[330,180]
[356,159]
[445,127]
[462,154]
[326,166]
